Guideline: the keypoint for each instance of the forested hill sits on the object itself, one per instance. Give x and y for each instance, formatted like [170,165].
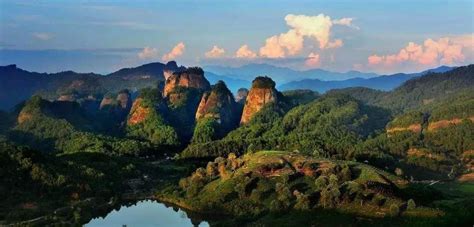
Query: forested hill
[419,92]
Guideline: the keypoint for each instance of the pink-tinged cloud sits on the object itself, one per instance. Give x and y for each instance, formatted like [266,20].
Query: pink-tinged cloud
[245,52]
[447,50]
[313,60]
[177,51]
[147,53]
[316,28]
[374,59]
[215,52]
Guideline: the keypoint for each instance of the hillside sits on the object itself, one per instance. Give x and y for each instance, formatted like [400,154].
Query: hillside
[264,182]
[327,127]
[418,93]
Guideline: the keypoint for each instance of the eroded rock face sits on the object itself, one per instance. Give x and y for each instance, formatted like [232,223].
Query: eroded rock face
[218,104]
[262,93]
[241,96]
[189,78]
[24,116]
[167,73]
[138,113]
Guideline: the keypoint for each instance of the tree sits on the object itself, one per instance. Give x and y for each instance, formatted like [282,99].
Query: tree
[302,202]
[411,204]
[394,210]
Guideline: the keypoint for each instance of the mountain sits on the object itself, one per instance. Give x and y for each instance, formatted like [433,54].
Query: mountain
[262,93]
[217,114]
[234,84]
[155,69]
[19,85]
[282,75]
[385,83]
[420,92]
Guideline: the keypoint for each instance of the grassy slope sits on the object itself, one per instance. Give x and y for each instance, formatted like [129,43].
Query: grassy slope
[221,194]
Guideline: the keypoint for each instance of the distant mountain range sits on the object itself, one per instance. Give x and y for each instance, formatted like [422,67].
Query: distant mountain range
[316,79]
[18,84]
[385,82]
[282,74]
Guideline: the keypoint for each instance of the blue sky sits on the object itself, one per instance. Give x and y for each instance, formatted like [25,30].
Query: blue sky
[103,36]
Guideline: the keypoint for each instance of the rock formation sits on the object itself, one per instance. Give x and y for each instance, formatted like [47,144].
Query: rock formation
[218,104]
[189,78]
[138,113]
[262,93]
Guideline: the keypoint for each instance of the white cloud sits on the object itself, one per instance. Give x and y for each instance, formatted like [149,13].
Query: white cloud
[346,21]
[317,28]
[313,60]
[177,51]
[245,52]
[447,50]
[147,53]
[42,36]
[215,52]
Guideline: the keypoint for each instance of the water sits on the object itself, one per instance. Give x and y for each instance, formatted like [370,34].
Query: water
[146,213]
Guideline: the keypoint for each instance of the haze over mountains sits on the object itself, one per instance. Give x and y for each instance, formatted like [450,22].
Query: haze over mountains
[19,84]
[318,79]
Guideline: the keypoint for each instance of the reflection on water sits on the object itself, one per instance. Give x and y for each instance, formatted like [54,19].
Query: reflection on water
[146,213]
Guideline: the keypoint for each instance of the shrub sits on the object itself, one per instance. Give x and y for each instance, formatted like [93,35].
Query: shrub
[321,182]
[346,174]
[302,202]
[394,210]
[379,200]
[411,204]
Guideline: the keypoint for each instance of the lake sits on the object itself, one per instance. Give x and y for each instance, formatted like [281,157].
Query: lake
[146,213]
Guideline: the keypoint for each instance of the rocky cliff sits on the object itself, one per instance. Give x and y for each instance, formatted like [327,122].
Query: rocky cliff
[189,78]
[262,93]
[218,104]
[138,113]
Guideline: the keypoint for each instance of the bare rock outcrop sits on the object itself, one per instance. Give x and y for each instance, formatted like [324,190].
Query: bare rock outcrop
[218,104]
[189,78]
[262,93]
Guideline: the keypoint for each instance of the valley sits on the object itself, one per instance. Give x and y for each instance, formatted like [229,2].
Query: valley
[76,152]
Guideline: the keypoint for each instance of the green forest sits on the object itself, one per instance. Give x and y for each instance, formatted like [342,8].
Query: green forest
[400,157]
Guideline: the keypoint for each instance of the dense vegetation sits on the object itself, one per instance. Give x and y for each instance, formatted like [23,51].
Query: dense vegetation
[57,153]
[419,92]
[329,127]
[35,184]
[152,127]
[62,127]
[277,182]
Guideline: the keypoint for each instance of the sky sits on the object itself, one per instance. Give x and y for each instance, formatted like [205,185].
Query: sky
[364,35]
